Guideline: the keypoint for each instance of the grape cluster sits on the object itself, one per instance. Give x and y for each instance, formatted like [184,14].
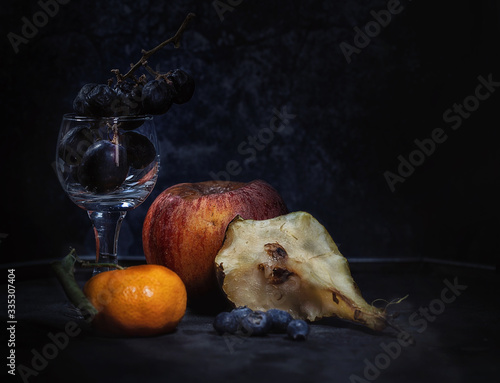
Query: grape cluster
[100,163]
[100,155]
[137,97]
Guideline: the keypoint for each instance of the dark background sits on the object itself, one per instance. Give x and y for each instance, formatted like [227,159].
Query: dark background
[352,120]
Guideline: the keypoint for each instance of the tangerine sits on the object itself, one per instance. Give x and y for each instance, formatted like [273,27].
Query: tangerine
[140,300]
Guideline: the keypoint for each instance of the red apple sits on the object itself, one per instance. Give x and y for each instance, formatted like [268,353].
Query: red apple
[185,226]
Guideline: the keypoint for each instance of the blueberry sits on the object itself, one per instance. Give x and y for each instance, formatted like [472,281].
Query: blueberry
[256,323]
[241,312]
[298,329]
[280,320]
[225,322]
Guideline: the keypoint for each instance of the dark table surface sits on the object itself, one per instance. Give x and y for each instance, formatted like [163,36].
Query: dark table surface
[456,340]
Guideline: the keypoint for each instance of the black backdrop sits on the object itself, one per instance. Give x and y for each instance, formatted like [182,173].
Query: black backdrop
[352,120]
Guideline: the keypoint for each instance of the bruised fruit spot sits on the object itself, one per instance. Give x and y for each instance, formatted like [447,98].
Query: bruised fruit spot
[357,315]
[219,272]
[279,276]
[335,299]
[275,275]
[275,251]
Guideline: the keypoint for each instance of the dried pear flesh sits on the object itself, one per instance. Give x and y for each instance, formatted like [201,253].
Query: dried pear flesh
[291,263]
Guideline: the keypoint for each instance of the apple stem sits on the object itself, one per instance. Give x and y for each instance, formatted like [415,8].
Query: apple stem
[147,54]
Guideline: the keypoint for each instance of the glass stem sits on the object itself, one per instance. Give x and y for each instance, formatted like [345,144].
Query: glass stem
[106,229]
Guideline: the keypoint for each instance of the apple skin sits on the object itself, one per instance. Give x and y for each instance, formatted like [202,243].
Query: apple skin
[186,224]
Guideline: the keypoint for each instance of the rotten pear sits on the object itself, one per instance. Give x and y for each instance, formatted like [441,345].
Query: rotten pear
[291,263]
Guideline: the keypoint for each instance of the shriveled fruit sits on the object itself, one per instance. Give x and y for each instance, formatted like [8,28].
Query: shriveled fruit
[129,96]
[81,104]
[183,84]
[99,101]
[291,263]
[138,301]
[157,96]
[132,95]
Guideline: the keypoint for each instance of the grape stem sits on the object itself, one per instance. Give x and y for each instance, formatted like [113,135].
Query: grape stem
[147,54]
[116,142]
[151,70]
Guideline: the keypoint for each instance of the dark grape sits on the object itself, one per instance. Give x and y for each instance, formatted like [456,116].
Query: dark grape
[80,103]
[157,97]
[95,100]
[183,84]
[101,100]
[129,101]
[104,167]
[140,150]
[75,143]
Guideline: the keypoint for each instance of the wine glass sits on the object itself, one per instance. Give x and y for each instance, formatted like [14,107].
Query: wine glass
[107,166]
